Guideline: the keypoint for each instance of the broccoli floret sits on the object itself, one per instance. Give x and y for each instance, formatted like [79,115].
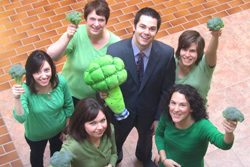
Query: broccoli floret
[61,159]
[74,17]
[17,72]
[106,74]
[216,23]
[232,113]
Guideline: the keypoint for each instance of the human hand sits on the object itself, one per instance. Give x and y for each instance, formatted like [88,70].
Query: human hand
[103,95]
[109,165]
[157,159]
[62,137]
[153,127]
[216,34]
[17,91]
[229,126]
[170,163]
[72,28]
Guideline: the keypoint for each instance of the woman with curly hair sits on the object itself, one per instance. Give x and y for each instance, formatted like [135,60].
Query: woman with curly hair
[184,131]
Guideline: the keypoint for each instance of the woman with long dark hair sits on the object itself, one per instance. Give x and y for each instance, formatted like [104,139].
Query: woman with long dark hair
[43,103]
[91,138]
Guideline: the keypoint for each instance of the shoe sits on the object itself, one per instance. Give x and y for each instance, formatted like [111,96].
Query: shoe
[149,163]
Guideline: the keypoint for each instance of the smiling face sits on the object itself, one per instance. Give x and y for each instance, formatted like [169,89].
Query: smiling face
[43,75]
[145,32]
[180,111]
[188,56]
[95,23]
[96,127]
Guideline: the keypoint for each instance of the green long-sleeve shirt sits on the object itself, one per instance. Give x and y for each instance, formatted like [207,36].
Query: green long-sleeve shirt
[188,146]
[86,154]
[44,118]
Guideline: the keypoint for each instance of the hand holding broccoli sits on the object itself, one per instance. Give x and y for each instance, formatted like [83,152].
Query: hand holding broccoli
[74,17]
[17,72]
[105,75]
[216,23]
[61,159]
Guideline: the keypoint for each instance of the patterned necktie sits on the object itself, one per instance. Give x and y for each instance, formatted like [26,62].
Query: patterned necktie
[140,67]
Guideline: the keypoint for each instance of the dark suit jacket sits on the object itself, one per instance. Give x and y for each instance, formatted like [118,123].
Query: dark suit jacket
[145,101]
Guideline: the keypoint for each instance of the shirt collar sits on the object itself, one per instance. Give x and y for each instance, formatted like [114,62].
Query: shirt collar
[137,50]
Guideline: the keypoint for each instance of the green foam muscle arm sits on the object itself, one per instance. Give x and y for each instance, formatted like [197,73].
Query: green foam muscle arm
[115,100]
[105,75]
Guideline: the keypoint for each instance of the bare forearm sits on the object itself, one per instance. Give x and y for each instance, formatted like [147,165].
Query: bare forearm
[18,107]
[212,47]
[162,155]
[229,127]
[211,52]
[67,121]
[57,50]
[229,137]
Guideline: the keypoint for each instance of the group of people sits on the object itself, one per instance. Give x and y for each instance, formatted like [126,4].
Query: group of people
[165,98]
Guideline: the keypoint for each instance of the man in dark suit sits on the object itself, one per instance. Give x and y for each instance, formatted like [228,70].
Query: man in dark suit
[143,91]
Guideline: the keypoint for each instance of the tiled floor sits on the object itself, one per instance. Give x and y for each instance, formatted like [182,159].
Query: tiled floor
[26,25]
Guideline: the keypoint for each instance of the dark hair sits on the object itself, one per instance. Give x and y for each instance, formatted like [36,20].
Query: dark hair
[148,12]
[101,8]
[189,37]
[34,63]
[196,102]
[86,110]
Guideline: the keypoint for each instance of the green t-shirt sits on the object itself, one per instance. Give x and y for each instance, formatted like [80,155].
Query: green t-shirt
[188,146]
[199,77]
[79,53]
[44,118]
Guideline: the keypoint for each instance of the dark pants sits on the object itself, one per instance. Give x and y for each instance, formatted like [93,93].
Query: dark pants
[75,100]
[37,149]
[144,143]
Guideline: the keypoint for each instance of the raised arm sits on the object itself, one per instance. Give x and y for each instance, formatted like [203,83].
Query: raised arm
[57,50]
[211,52]
[17,91]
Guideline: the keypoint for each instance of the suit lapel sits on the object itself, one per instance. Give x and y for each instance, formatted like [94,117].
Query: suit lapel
[129,60]
[152,62]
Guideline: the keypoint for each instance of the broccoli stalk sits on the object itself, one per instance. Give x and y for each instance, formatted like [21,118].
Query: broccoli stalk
[106,74]
[216,23]
[74,17]
[232,113]
[17,72]
[61,159]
